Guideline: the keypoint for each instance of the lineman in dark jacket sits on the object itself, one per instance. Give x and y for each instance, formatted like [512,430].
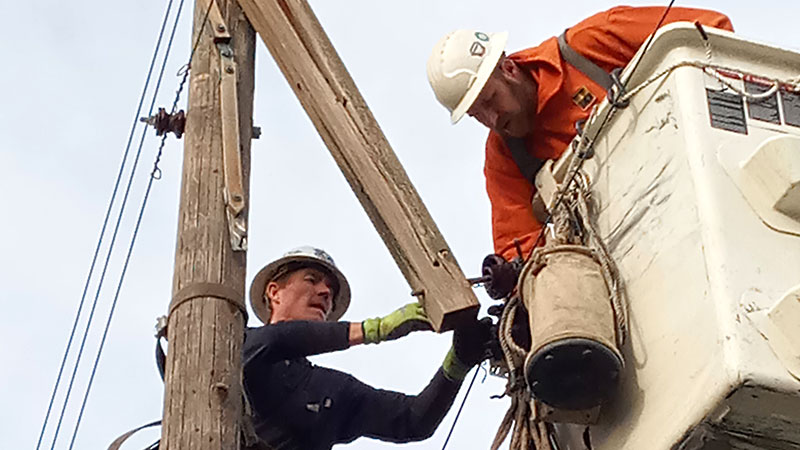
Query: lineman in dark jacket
[297,405]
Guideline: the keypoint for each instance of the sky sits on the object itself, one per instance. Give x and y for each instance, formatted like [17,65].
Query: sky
[71,81]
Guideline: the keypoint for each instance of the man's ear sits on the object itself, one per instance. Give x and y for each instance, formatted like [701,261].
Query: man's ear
[270,292]
[509,68]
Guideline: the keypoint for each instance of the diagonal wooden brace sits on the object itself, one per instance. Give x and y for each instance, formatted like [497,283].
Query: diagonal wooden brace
[329,95]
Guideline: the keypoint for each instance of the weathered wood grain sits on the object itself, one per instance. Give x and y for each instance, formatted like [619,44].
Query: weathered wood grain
[333,103]
[203,400]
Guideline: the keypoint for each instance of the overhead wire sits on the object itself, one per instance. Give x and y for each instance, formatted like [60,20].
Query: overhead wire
[155,174]
[612,108]
[520,410]
[114,235]
[103,231]
[461,407]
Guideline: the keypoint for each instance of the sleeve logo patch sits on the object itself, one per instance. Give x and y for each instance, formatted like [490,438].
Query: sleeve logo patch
[583,98]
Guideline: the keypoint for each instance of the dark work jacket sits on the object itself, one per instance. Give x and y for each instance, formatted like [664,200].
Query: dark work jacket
[297,405]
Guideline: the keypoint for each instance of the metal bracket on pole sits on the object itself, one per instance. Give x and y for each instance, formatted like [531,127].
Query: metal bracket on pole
[231,148]
[218,25]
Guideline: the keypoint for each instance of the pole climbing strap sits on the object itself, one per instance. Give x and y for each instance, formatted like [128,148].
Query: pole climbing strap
[213,290]
[124,437]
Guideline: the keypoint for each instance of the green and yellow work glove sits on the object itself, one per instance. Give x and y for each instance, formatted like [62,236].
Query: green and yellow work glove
[470,346]
[396,325]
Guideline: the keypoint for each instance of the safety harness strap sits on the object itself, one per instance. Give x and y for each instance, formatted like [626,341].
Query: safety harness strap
[583,64]
[528,164]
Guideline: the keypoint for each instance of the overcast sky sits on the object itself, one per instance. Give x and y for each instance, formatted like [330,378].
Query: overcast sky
[71,78]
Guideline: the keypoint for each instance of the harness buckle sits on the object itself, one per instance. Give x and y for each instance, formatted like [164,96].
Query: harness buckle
[617,91]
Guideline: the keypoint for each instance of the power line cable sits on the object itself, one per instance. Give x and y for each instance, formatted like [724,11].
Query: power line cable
[114,303]
[155,174]
[114,234]
[103,228]
[463,401]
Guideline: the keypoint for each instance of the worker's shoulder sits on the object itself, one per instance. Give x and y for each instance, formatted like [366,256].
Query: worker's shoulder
[494,143]
[601,21]
[498,156]
[609,27]
[252,330]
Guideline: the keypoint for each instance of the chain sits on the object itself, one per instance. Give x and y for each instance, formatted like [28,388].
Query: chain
[183,72]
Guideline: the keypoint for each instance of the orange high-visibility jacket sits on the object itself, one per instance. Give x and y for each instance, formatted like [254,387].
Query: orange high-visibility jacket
[609,39]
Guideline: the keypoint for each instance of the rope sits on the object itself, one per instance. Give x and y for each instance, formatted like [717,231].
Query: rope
[510,348]
[97,248]
[609,268]
[527,429]
[527,434]
[577,192]
[794,82]
[712,70]
[584,143]
[578,189]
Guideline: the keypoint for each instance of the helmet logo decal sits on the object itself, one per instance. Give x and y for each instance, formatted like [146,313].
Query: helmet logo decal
[477,48]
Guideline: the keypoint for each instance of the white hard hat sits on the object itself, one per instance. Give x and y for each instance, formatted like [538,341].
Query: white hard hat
[311,256]
[459,66]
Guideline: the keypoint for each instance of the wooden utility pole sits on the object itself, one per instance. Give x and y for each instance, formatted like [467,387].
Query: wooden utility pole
[330,97]
[203,399]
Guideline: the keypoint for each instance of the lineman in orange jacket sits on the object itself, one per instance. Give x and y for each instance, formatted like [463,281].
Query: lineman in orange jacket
[535,95]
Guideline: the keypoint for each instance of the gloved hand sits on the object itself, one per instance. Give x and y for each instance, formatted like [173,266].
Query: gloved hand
[396,325]
[470,346]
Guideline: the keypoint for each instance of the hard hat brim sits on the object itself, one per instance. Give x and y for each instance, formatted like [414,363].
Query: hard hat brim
[261,307]
[481,77]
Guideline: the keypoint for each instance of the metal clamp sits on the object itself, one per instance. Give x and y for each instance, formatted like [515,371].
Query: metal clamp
[218,25]
[231,149]
[617,91]
[233,193]
[161,327]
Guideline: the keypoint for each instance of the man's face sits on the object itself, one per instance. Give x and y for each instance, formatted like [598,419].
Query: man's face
[305,294]
[507,102]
